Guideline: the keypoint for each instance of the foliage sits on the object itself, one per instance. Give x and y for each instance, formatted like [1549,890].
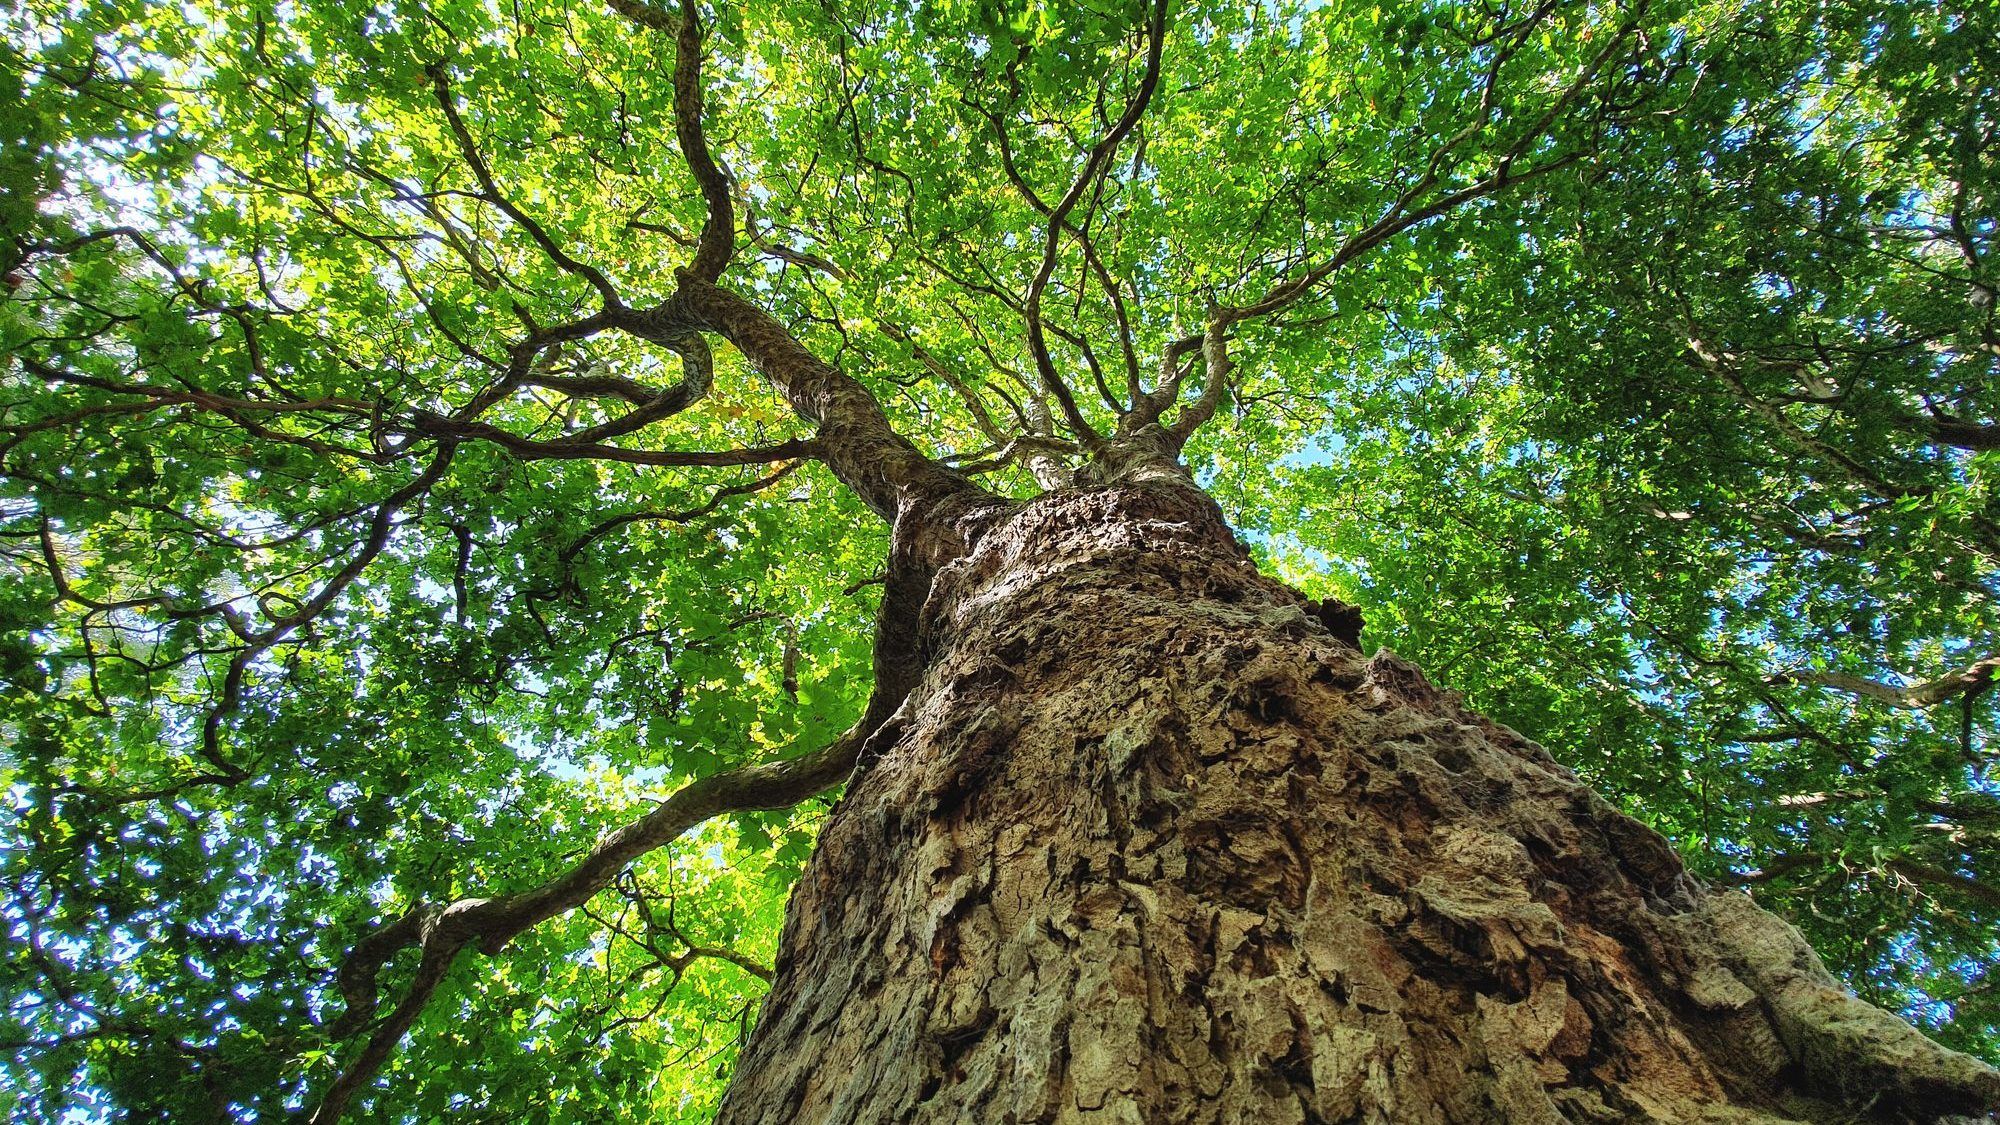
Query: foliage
[1684,492]
[1632,367]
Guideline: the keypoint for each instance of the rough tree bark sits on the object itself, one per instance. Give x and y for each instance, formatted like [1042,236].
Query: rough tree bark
[1148,842]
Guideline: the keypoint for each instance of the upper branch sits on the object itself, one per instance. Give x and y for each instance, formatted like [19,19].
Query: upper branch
[1425,197]
[1099,157]
[717,243]
[1113,290]
[469,151]
[1398,218]
[1409,209]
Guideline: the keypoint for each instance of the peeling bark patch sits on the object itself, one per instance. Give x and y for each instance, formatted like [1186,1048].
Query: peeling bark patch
[1150,841]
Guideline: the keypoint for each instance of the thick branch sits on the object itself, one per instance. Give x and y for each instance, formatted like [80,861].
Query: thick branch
[717,243]
[1922,874]
[1216,365]
[1962,434]
[697,377]
[1930,875]
[490,923]
[1914,697]
[855,439]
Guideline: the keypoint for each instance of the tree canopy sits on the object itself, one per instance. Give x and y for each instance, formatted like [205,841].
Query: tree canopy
[379,533]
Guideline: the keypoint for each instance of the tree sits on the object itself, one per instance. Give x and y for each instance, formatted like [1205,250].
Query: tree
[429,653]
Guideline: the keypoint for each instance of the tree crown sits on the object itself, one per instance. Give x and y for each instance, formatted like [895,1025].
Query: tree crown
[437,432]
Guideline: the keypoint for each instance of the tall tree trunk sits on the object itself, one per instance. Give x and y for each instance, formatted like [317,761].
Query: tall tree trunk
[1148,843]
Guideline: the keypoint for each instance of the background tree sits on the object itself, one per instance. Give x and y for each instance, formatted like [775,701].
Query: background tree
[388,539]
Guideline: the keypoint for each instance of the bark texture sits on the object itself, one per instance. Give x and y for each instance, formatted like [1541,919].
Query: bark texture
[1149,843]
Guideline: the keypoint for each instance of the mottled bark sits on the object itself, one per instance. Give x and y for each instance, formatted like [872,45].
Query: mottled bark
[855,439]
[1148,843]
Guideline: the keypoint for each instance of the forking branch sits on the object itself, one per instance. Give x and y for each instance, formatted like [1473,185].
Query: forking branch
[1098,160]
